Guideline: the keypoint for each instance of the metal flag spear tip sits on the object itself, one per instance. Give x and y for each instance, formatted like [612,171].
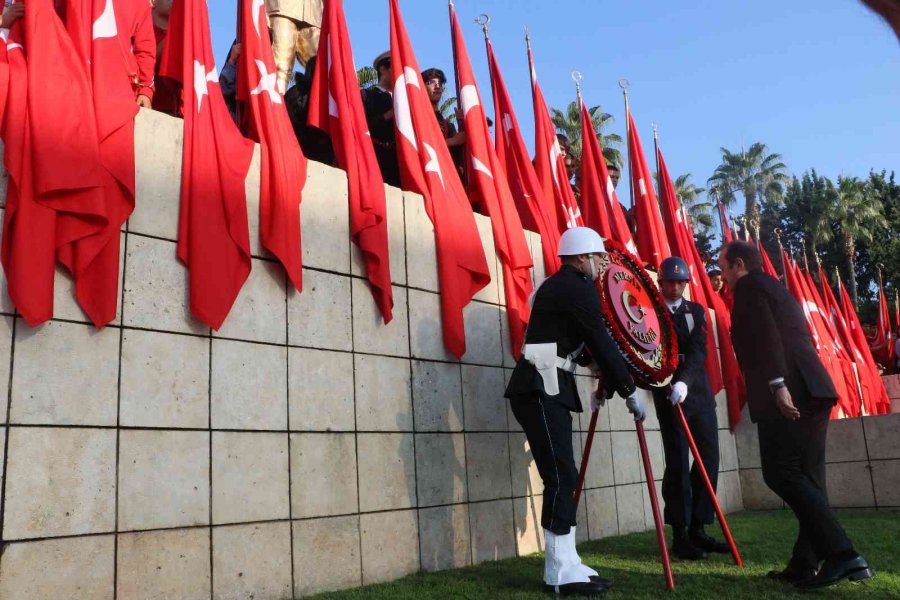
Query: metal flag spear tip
[483,20]
[577,77]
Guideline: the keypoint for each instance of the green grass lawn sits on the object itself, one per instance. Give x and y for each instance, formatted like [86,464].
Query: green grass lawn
[632,562]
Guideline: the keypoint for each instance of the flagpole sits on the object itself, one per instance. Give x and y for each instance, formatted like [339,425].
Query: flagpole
[460,123]
[655,129]
[720,211]
[625,84]
[777,232]
[530,61]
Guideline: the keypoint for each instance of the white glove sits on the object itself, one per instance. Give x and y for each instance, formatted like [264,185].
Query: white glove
[679,393]
[636,407]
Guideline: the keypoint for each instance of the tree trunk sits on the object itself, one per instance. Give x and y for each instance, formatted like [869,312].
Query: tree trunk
[849,252]
[751,208]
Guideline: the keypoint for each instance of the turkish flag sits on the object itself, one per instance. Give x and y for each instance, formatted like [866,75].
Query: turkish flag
[722,367]
[883,335]
[878,403]
[727,233]
[101,31]
[601,209]
[768,267]
[549,163]
[488,181]
[55,195]
[282,166]
[213,234]
[794,280]
[652,245]
[335,106]
[427,168]
[536,211]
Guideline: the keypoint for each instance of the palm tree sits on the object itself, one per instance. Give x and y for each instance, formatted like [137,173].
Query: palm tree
[689,196]
[755,173]
[856,216]
[367,77]
[569,123]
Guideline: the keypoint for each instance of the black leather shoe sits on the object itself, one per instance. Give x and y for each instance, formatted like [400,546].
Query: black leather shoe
[792,574]
[707,543]
[586,589]
[602,581]
[835,570]
[685,550]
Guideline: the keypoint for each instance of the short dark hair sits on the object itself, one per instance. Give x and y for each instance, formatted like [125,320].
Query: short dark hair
[746,251]
[613,167]
[715,273]
[434,73]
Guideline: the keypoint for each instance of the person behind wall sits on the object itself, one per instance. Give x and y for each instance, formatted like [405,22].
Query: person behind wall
[167,97]
[435,84]
[790,396]
[566,328]
[688,507]
[315,143]
[378,102]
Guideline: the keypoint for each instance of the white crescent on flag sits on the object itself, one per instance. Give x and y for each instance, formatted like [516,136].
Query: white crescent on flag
[480,166]
[402,113]
[257,5]
[105,25]
[468,98]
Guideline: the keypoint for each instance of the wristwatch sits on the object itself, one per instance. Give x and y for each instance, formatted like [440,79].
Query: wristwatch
[777,384]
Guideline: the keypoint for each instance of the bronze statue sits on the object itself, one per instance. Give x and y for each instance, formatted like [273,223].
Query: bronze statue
[295,26]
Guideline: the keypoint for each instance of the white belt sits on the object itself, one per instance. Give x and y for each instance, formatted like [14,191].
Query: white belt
[545,360]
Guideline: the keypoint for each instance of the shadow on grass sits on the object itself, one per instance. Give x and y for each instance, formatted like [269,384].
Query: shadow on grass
[633,563]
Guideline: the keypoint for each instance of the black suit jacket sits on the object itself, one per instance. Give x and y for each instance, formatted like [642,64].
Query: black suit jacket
[771,340]
[566,310]
[691,359]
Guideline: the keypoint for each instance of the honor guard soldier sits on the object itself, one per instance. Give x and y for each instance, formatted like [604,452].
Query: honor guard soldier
[688,507]
[565,328]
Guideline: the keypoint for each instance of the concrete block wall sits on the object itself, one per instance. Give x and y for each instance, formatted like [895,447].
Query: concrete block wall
[303,447]
[863,464]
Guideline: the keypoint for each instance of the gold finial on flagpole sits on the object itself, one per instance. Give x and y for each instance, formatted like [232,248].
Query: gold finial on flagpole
[577,77]
[655,129]
[483,20]
[755,225]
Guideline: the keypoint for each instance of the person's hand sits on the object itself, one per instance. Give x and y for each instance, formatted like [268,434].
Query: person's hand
[388,116]
[786,404]
[636,408]
[235,54]
[143,101]
[679,393]
[11,14]
[458,139]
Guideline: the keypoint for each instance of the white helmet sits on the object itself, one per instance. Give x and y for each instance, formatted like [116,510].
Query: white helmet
[580,240]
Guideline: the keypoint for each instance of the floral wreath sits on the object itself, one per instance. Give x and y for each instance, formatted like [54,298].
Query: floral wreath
[635,314]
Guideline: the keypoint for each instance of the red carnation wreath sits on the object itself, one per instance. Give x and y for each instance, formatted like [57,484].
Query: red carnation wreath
[637,318]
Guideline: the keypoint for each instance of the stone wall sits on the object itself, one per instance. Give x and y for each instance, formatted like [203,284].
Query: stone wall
[303,447]
[863,462]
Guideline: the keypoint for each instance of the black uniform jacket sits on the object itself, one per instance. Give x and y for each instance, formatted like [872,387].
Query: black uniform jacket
[692,357]
[771,340]
[566,310]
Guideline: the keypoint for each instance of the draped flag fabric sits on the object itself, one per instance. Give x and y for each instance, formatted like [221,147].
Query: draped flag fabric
[213,233]
[282,165]
[549,162]
[727,233]
[55,194]
[879,403]
[768,267]
[335,106]
[652,245]
[427,168]
[796,286]
[883,337]
[488,181]
[601,210]
[868,387]
[536,211]
[843,359]
[722,367]
[101,31]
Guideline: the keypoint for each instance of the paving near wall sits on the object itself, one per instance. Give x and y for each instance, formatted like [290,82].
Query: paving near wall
[303,447]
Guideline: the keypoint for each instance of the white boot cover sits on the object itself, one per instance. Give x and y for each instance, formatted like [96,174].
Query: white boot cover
[561,563]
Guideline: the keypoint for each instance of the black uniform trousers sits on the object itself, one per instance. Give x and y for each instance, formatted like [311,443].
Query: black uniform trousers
[684,493]
[793,466]
[548,427]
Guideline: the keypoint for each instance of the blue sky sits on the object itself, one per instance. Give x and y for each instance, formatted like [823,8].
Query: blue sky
[816,80]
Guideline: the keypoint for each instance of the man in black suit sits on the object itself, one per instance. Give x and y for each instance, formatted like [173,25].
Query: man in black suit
[688,507]
[566,328]
[790,396]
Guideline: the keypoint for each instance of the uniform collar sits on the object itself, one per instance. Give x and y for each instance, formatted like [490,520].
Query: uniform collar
[572,271]
[674,306]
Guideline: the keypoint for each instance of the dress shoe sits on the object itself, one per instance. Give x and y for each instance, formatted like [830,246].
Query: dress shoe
[707,543]
[586,589]
[685,550]
[835,570]
[606,584]
[792,574]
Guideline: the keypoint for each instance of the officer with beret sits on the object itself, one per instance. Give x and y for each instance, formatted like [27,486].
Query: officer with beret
[688,507]
[565,328]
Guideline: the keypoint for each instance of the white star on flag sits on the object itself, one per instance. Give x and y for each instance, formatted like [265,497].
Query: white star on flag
[507,122]
[267,83]
[202,80]
[433,166]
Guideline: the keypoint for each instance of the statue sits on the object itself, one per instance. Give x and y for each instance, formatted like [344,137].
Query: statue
[295,26]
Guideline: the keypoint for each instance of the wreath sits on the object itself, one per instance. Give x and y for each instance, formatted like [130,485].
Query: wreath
[636,316]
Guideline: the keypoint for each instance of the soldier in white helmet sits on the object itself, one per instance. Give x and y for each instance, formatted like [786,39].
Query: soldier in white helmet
[565,328]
